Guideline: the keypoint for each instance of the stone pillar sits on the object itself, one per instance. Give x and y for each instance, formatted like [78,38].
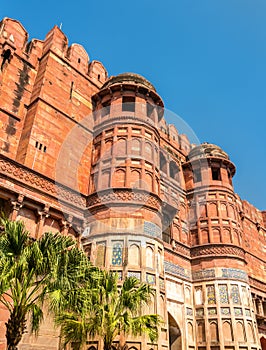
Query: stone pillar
[66,225]
[16,205]
[42,215]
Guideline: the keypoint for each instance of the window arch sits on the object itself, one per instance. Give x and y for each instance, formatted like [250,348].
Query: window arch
[136,146]
[190,332]
[119,178]
[227,331]
[149,258]
[214,332]
[105,179]
[134,255]
[135,179]
[201,332]
[108,148]
[148,181]
[148,150]
[240,331]
[121,147]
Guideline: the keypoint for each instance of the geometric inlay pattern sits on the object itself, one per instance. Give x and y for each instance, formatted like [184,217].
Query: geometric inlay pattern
[117,254]
[211,294]
[235,294]
[223,293]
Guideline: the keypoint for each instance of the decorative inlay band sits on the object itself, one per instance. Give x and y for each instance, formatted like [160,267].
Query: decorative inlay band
[257,284]
[29,177]
[203,274]
[221,273]
[176,270]
[223,250]
[124,195]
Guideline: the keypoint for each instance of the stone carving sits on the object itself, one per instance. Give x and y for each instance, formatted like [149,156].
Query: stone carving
[203,274]
[27,176]
[217,250]
[125,195]
[256,283]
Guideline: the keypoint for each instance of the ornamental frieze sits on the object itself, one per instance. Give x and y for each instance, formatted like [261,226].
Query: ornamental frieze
[217,250]
[26,176]
[126,195]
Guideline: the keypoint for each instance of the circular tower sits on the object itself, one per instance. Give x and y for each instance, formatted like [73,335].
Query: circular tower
[224,314]
[124,207]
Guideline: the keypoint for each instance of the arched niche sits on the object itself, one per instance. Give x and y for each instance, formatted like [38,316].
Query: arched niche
[119,178]
[148,151]
[227,331]
[121,147]
[136,146]
[175,338]
[214,332]
[135,179]
[134,255]
[240,331]
[149,258]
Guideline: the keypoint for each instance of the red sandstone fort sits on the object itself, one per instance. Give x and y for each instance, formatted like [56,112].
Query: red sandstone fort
[92,156]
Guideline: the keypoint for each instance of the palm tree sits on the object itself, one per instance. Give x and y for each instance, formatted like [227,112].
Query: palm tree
[33,270]
[110,311]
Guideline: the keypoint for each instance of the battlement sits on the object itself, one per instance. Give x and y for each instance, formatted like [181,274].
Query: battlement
[14,37]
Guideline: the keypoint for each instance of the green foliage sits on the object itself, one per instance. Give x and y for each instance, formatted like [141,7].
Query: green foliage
[32,271]
[109,310]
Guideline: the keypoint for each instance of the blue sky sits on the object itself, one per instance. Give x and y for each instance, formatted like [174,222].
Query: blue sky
[206,58]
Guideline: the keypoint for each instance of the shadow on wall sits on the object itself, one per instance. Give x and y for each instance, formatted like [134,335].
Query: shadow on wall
[175,340]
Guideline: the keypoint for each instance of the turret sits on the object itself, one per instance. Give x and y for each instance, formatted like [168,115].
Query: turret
[124,206]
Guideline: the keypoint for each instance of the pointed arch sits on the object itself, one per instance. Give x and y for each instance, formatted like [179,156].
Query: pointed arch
[149,258]
[175,335]
[134,255]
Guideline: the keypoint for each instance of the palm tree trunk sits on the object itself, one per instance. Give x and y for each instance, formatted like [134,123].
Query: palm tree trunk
[15,328]
[107,343]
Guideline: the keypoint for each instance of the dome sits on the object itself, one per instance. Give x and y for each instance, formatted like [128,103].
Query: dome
[206,150]
[128,78]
